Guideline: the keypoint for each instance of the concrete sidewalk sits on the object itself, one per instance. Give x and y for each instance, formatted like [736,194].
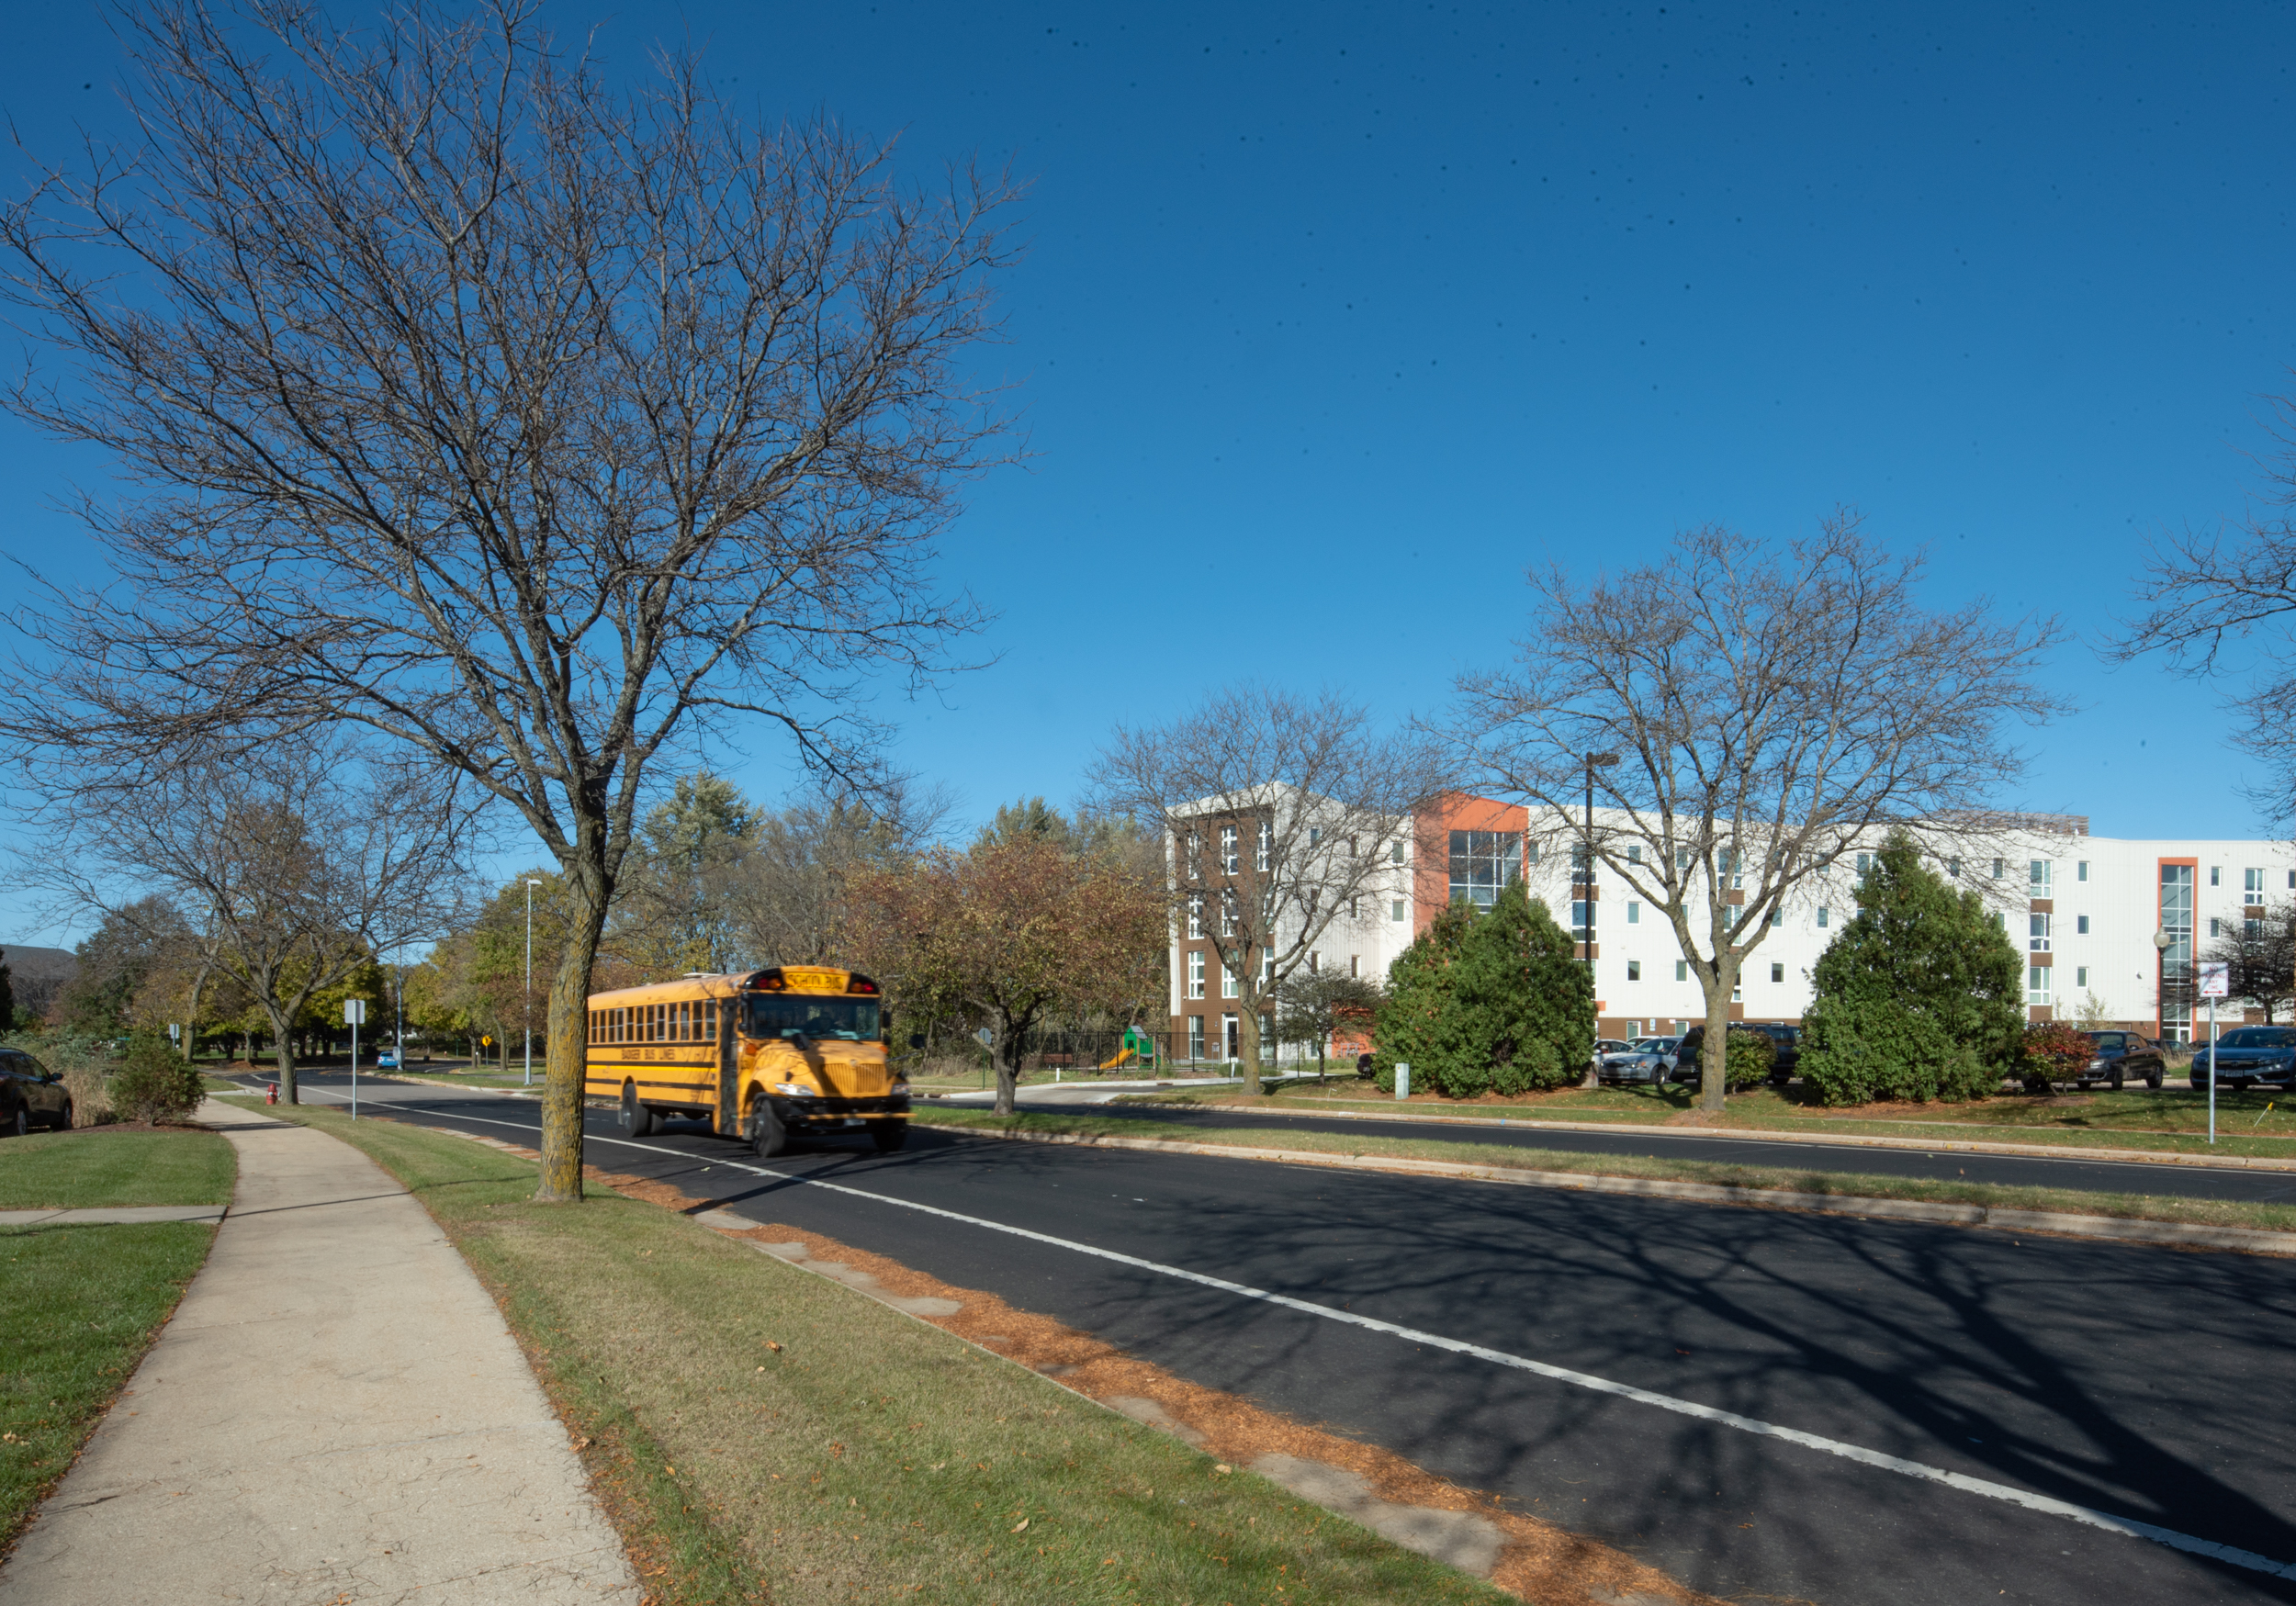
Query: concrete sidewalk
[336,1413]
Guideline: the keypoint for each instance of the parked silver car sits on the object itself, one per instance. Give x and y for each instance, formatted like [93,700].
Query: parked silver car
[1646,1060]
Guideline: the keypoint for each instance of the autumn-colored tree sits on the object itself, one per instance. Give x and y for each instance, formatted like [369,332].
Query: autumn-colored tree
[1015,930]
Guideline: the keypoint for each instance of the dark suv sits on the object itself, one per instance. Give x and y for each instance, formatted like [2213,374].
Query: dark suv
[31,1094]
[1785,1044]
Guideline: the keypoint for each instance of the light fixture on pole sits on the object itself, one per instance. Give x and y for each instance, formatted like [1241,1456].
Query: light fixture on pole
[530,981]
[2161,941]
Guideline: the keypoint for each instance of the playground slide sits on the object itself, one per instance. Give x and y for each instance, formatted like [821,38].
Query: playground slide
[1123,1056]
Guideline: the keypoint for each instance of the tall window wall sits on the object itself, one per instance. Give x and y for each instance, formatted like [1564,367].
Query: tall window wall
[1483,864]
[2176,961]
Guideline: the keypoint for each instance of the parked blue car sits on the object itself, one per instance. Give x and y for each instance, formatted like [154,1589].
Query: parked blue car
[2247,1055]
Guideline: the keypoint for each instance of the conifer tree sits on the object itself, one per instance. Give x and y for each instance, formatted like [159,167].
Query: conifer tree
[1920,998]
[1487,1003]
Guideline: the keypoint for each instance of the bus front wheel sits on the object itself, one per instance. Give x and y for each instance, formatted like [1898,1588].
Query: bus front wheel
[767,1135]
[637,1119]
[888,1135]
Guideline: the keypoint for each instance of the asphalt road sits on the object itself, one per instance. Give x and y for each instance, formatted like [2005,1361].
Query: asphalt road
[2007,1171]
[2139,1383]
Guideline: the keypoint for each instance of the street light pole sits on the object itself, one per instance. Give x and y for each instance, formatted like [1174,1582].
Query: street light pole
[530,981]
[1586,897]
[2161,940]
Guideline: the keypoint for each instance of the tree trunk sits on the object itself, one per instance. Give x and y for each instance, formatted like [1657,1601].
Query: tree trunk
[1714,1054]
[1248,1041]
[1007,1059]
[567,1048]
[285,1042]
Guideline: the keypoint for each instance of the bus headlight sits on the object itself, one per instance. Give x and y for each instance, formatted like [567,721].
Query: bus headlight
[794,1090]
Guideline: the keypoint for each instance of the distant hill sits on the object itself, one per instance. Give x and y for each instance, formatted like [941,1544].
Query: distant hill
[36,975]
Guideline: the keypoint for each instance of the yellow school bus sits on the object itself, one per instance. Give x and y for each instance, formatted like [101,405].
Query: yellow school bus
[795,1050]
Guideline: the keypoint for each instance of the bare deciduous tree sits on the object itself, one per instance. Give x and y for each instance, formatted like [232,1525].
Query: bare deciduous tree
[2220,603]
[1770,710]
[2259,956]
[1283,816]
[530,424]
[292,871]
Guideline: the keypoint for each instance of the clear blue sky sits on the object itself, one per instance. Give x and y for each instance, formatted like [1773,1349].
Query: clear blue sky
[1336,316]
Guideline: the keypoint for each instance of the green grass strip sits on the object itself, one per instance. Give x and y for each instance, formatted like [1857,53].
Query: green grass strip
[82,1305]
[96,1166]
[2258,1123]
[871,1453]
[2137,1206]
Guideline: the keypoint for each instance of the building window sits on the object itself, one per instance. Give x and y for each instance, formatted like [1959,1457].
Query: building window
[1195,1037]
[1228,1031]
[1395,854]
[2216,926]
[2041,878]
[2080,975]
[1194,857]
[1355,964]
[1777,916]
[2080,925]
[1634,913]
[2252,886]
[1822,914]
[1196,919]
[1259,856]
[1999,865]
[1195,973]
[2037,933]
[1865,863]
[2216,875]
[2080,870]
[1577,920]
[2175,970]
[1268,967]
[1315,961]
[1227,914]
[1227,851]
[1395,909]
[1634,854]
[1681,858]
[1230,987]
[1355,908]
[2037,984]
[1634,969]
[1483,863]
[1952,868]
[1682,970]
[1777,972]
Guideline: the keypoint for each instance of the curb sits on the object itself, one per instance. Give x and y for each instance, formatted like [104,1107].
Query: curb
[2244,1240]
[1757,1135]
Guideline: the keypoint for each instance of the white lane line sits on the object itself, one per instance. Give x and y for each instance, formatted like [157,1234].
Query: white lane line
[2044,1504]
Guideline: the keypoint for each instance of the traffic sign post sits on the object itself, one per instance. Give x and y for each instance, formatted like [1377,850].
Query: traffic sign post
[354,1016]
[2216,982]
[987,1039]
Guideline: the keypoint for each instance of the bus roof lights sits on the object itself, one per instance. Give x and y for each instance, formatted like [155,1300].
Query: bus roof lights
[860,985]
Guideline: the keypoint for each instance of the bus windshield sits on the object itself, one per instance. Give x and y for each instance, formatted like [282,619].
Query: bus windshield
[791,1015]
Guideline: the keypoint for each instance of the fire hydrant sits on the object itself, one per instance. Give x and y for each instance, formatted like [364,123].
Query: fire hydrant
[271,1094]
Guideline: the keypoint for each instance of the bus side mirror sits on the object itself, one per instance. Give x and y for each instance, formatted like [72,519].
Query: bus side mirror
[917,1039]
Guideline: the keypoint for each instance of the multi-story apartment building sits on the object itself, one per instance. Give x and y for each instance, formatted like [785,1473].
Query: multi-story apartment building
[2086,909]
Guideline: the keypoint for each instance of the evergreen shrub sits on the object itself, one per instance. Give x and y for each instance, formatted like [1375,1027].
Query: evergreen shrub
[1486,1003]
[1921,996]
